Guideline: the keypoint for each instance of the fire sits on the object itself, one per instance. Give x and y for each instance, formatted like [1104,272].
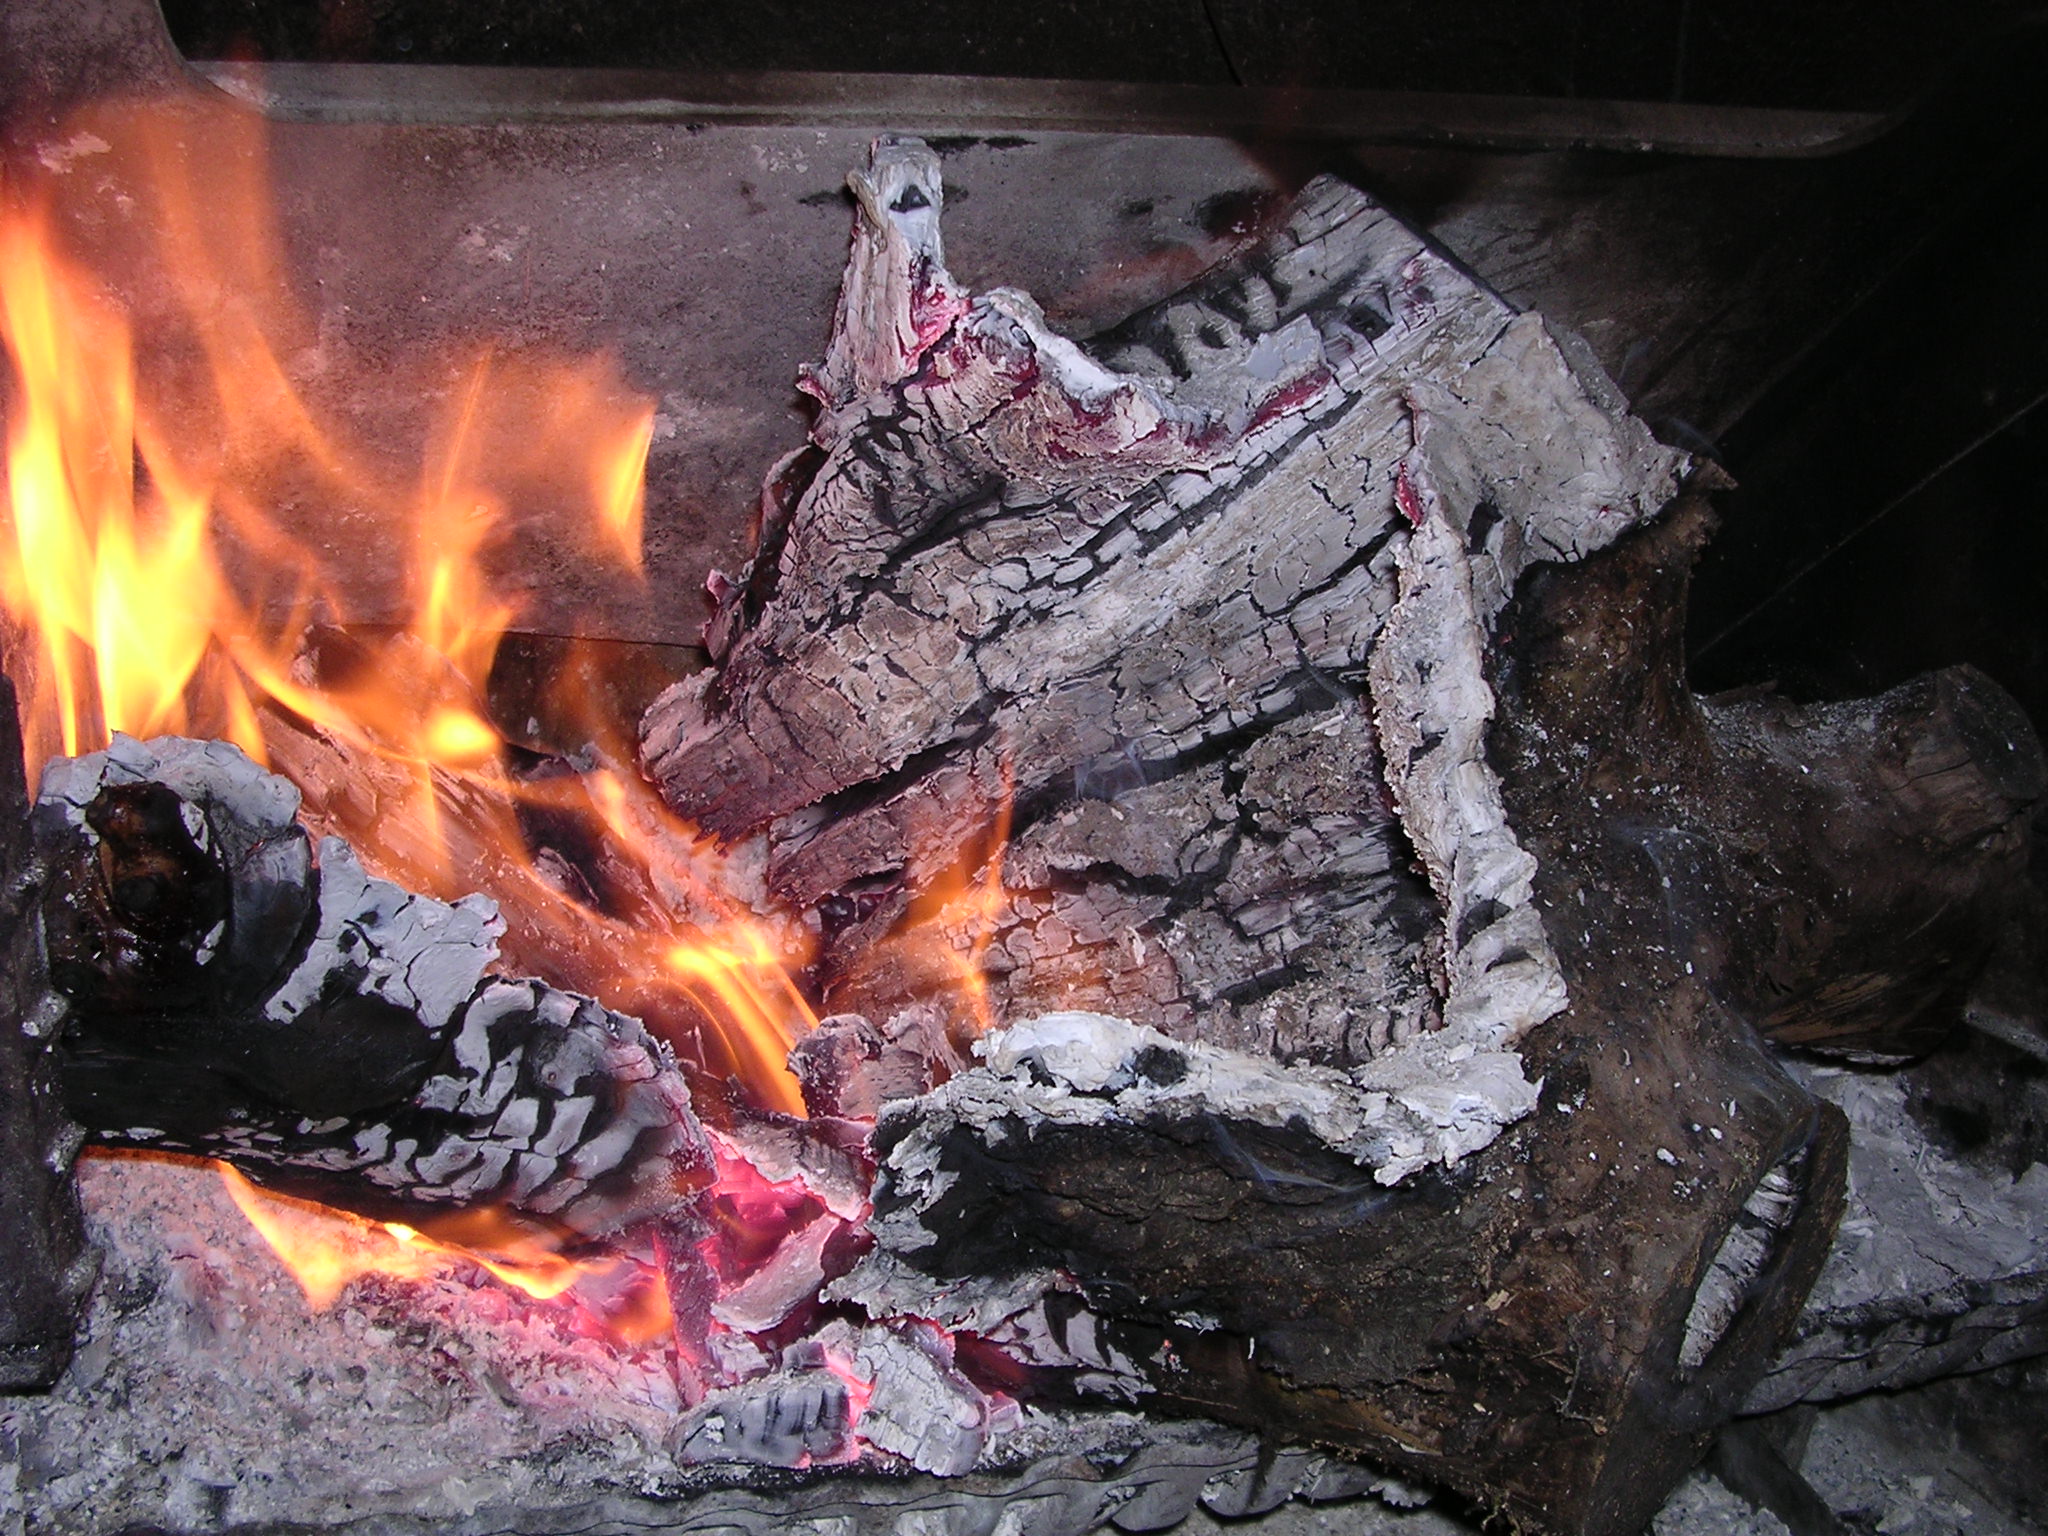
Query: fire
[151,584]
[968,901]
[326,1251]
[151,587]
[115,590]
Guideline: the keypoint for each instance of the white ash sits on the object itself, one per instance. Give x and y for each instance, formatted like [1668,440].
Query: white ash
[895,275]
[1701,1506]
[799,1416]
[205,1394]
[1743,1256]
[1311,404]
[1015,1311]
[1431,1102]
[919,1406]
[554,1103]
[245,806]
[849,1066]
[1056,1330]
[473,1088]
[230,807]
[1432,706]
[792,1276]
[1938,1265]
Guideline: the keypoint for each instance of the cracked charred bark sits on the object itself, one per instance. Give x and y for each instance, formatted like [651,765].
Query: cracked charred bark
[214,992]
[1556,1325]
[1196,601]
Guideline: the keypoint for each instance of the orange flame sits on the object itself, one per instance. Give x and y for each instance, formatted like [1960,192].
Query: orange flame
[326,1251]
[952,923]
[118,599]
[150,584]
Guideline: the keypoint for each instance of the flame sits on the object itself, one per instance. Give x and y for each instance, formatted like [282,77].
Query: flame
[151,583]
[325,1251]
[745,981]
[115,590]
[952,922]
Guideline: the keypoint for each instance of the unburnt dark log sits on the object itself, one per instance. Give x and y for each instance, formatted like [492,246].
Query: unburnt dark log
[1222,603]
[49,1270]
[216,992]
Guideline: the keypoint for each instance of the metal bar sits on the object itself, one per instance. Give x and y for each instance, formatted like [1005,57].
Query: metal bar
[432,93]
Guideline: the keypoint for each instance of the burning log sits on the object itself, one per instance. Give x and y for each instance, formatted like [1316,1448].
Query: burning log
[1220,608]
[1139,605]
[217,993]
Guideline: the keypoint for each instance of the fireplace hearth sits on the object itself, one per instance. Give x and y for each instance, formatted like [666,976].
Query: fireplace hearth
[1172,933]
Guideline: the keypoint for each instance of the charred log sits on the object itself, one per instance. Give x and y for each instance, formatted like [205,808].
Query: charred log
[1554,1325]
[43,1285]
[1130,591]
[329,1032]
[1607,1280]
[1843,871]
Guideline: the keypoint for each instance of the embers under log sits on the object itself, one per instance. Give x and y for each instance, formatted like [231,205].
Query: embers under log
[1314,638]
[1224,604]
[220,996]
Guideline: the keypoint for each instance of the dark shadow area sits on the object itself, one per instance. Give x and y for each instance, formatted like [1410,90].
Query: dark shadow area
[1839,55]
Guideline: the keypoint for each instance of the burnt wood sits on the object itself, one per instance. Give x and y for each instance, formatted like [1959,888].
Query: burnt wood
[218,993]
[1118,600]
[1843,871]
[49,1269]
[1556,1326]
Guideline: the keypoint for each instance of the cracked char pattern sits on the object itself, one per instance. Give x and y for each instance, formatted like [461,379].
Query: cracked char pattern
[192,1344]
[1135,584]
[336,1035]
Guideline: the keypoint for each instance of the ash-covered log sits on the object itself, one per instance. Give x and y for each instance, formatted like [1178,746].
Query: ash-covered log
[1345,771]
[215,992]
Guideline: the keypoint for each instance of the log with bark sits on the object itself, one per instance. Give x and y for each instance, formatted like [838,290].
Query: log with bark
[1387,943]
[1222,604]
